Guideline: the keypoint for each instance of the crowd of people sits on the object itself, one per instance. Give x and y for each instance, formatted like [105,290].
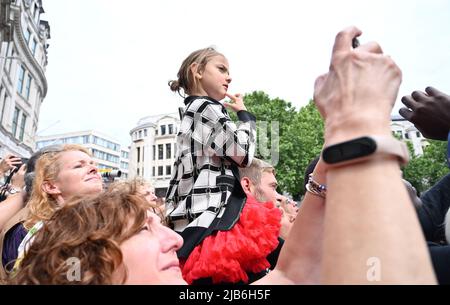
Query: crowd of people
[223,221]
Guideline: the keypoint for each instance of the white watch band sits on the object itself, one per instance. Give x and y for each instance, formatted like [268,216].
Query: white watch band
[391,146]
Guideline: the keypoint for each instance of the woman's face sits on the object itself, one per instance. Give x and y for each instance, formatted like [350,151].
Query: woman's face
[149,193]
[78,175]
[150,255]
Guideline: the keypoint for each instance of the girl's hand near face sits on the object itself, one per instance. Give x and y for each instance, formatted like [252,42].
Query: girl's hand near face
[237,102]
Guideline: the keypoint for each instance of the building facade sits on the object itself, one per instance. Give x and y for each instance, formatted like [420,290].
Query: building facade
[153,150]
[106,151]
[406,131]
[23,85]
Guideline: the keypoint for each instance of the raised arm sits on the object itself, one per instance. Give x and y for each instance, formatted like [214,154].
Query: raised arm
[371,232]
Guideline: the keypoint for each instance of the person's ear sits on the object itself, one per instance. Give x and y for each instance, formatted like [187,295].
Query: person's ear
[50,188]
[246,185]
[196,71]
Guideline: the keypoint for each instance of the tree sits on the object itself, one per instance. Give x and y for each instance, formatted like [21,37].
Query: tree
[301,143]
[425,170]
[298,138]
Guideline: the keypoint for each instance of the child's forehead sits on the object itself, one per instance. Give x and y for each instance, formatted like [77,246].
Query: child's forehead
[219,58]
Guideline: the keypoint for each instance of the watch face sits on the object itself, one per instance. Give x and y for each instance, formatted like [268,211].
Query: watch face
[353,149]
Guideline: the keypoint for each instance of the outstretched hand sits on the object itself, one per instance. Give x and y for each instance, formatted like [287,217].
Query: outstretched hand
[429,111]
[237,102]
[357,94]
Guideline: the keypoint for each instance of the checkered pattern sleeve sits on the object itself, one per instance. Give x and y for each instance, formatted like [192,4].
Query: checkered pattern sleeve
[214,131]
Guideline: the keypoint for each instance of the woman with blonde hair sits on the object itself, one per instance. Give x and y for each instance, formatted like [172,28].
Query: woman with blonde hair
[61,173]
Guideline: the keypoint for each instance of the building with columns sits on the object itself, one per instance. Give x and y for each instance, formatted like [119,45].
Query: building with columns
[23,85]
[153,150]
[407,132]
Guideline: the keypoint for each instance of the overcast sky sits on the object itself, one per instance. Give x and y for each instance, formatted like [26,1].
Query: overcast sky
[110,60]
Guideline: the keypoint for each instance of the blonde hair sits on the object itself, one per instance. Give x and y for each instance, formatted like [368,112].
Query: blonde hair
[255,170]
[42,205]
[186,81]
[90,229]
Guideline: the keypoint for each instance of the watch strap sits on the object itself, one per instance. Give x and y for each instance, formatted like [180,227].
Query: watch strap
[365,148]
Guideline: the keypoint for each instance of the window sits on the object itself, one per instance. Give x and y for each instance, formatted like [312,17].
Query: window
[27,35]
[15,121]
[154,152]
[163,130]
[160,171]
[153,171]
[138,171]
[143,154]
[170,128]
[160,151]
[145,132]
[22,126]
[138,150]
[33,46]
[36,14]
[8,60]
[168,170]
[3,96]
[168,151]
[104,155]
[123,165]
[28,86]
[106,144]
[156,132]
[32,9]
[140,134]
[418,134]
[21,78]
[406,135]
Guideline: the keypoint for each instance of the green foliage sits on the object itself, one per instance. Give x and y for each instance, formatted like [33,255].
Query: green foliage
[424,171]
[301,143]
[300,138]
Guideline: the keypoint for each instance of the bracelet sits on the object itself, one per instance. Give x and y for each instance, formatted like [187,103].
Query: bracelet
[12,190]
[316,188]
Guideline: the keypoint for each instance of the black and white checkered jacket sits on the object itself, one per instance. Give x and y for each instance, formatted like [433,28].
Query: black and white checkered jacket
[210,149]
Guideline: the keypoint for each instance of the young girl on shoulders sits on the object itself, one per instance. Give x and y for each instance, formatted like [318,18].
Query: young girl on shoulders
[205,202]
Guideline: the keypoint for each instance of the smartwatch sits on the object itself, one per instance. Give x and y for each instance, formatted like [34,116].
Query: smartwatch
[364,148]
